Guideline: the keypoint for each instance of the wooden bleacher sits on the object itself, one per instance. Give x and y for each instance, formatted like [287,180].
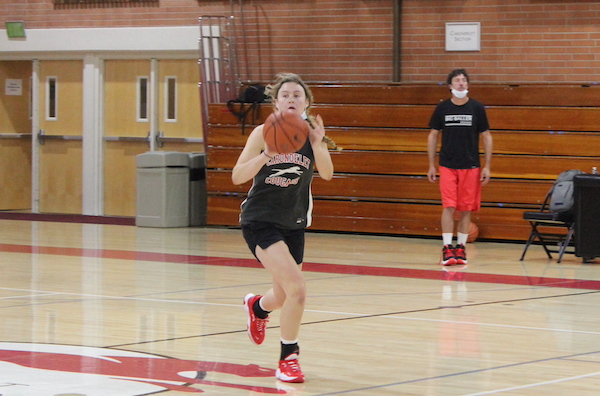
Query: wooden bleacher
[380,183]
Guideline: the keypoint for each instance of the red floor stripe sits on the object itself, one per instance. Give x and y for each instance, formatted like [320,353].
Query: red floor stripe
[67,218]
[433,274]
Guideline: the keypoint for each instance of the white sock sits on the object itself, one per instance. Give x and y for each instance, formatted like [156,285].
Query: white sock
[461,238]
[447,238]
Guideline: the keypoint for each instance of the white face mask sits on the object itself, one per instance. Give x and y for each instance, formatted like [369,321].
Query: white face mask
[460,94]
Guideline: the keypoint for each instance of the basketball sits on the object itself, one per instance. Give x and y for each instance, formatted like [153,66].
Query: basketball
[285,132]
[473,233]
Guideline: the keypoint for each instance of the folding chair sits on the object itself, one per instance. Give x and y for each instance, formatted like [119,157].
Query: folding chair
[552,242]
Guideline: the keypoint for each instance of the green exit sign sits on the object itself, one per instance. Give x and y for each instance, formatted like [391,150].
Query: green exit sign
[15,29]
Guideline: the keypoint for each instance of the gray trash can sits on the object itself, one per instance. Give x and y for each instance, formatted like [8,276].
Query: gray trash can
[198,200]
[162,189]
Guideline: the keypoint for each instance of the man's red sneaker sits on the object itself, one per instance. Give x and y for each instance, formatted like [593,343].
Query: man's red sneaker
[460,254]
[448,255]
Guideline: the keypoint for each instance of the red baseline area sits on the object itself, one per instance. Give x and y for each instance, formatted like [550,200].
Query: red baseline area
[433,274]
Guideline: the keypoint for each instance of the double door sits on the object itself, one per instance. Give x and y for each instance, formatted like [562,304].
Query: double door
[68,141]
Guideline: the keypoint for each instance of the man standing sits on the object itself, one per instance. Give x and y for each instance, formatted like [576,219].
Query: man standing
[461,120]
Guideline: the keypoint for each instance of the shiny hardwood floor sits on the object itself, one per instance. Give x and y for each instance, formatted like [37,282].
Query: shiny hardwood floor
[91,309]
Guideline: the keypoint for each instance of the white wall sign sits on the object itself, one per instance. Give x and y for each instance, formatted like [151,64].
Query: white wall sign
[13,86]
[463,36]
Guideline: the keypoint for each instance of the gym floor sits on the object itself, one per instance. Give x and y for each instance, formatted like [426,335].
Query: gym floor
[100,309]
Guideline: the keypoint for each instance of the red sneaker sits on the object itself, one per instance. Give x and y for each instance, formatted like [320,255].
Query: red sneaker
[289,370]
[448,255]
[460,254]
[256,325]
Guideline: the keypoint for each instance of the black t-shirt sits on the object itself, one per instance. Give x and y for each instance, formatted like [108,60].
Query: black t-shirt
[280,192]
[460,126]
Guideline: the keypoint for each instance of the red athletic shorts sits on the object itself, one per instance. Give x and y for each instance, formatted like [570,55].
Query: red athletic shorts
[461,188]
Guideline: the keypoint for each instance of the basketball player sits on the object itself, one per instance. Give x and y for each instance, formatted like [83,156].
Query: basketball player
[462,121]
[274,216]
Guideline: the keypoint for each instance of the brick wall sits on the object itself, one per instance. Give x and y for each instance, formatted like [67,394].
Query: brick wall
[521,40]
[323,40]
[44,14]
[352,40]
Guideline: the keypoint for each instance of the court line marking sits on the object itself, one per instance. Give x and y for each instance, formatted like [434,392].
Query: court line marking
[467,305]
[535,384]
[102,297]
[308,266]
[441,377]
[348,315]
[503,326]
[25,296]
[333,268]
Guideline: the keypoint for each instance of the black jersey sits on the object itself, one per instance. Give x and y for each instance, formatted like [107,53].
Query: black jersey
[460,126]
[280,192]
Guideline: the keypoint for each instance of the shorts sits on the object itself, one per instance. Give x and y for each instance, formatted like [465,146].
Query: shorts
[461,188]
[265,234]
